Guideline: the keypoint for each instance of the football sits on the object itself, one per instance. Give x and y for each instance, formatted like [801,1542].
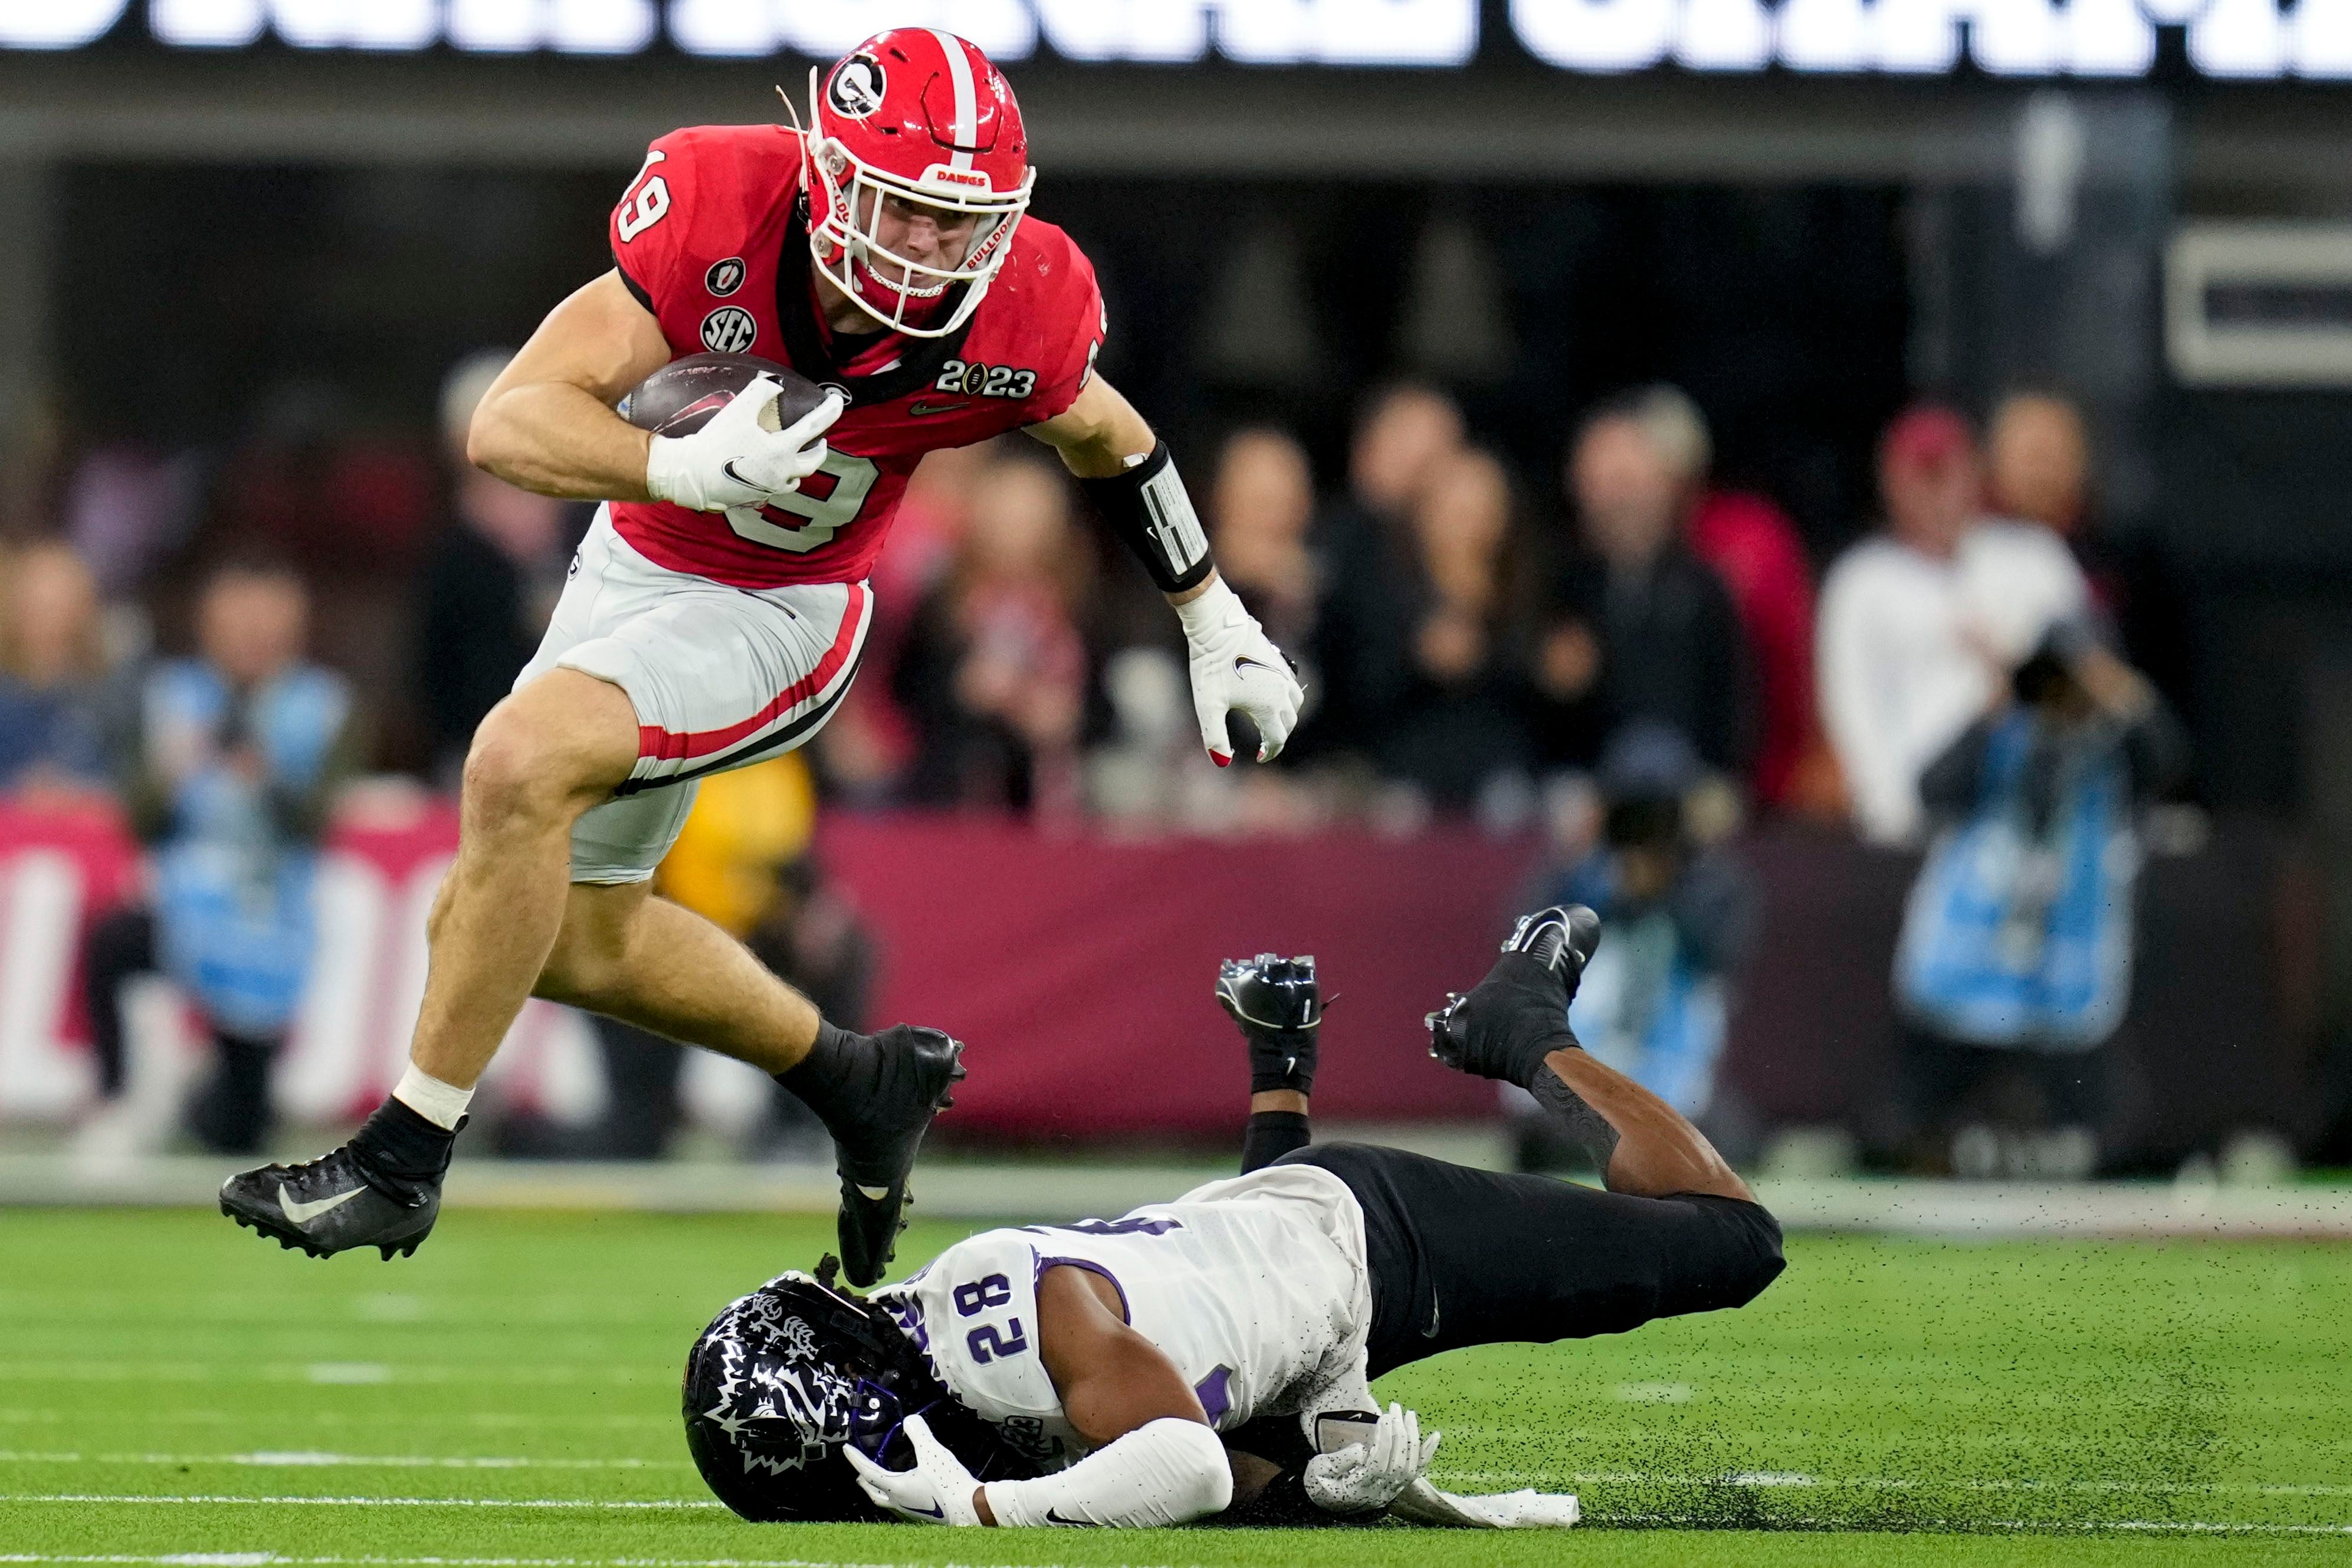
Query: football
[679,399]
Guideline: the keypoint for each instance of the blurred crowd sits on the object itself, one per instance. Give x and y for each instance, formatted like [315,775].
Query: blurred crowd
[1619,655]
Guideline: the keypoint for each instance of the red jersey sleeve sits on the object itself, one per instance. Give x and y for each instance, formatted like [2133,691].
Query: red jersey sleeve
[700,189]
[1070,325]
[644,228]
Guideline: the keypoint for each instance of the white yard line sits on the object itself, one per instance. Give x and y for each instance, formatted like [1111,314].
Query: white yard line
[1986,1526]
[303,1458]
[274,1560]
[311,1460]
[318,1371]
[599,1503]
[253,1560]
[1890,1483]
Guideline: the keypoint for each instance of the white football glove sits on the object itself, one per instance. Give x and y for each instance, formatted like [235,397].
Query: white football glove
[735,460]
[1235,667]
[937,1491]
[1421,1503]
[1362,1476]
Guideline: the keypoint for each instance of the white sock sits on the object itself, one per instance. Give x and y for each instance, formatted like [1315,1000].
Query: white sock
[442,1104]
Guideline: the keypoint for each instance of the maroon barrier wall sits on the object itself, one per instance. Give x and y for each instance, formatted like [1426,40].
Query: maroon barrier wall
[1080,969]
[1082,972]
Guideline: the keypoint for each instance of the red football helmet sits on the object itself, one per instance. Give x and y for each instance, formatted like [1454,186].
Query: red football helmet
[913,116]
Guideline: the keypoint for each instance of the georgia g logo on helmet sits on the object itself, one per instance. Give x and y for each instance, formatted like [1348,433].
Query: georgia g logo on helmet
[856,87]
[914,120]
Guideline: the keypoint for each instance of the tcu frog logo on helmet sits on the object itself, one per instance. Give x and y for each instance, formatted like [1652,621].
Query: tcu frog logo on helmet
[915,122]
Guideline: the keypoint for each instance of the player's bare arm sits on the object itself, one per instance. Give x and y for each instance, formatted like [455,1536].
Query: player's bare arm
[547,424]
[1155,1459]
[1514,1026]
[1100,434]
[1100,437]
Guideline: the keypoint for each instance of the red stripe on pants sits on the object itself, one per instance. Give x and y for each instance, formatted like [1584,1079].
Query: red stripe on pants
[674,745]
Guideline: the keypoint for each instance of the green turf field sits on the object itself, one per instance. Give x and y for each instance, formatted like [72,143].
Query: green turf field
[173,1391]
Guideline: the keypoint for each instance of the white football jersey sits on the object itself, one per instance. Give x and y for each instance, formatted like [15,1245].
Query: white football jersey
[1256,1288]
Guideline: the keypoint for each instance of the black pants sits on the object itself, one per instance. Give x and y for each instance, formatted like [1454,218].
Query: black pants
[231,1113]
[1463,1257]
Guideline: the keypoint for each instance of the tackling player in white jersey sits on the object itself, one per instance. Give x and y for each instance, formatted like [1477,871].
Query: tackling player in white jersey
[1215,1355]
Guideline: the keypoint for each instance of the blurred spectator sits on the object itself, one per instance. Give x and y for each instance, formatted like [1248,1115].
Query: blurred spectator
[1754,549]
[994,671]
[126,510]
[871,739]
[2040,470]
[1260,505]
[1259,509]
[1455,720]
[1670,645]
[237,758]
[1920,623]
[489,584]
[1406,434]
[1654,1001]
[2015,960]
[1407,430]
[51,663]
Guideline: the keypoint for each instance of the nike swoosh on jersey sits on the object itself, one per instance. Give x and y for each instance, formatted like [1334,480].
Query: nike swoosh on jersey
[1053,1516]
[919,409]
[301,1212]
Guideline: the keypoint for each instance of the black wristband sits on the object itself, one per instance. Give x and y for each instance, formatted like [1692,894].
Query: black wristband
[1148,508]
[1282,1059]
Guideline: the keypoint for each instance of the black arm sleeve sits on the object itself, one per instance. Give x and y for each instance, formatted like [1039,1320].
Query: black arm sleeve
[1148,508]
[1271,1135]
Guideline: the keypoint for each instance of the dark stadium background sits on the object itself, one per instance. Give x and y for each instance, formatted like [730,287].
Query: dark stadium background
[278,250]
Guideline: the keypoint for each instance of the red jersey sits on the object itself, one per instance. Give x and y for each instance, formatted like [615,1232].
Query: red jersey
[712,237]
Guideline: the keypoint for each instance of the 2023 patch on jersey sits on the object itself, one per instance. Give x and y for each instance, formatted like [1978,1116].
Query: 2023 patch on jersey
[709,238]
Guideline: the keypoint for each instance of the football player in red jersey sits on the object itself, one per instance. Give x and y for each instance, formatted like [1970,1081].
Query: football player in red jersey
[719,605]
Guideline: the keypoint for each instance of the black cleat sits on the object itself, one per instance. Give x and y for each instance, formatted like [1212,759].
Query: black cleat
[1279,1007]
[1518,1013]
[916,1079]
[328,1206]
[1270,994]
[1561,938]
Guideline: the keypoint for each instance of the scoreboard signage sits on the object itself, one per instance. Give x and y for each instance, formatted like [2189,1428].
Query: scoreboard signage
[2241,39]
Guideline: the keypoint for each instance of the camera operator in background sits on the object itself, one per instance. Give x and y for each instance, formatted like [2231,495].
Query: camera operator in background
[234,764]
[1655,1000]
[2015,962]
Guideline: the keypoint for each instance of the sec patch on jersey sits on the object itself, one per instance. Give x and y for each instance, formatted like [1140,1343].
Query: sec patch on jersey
[730,330]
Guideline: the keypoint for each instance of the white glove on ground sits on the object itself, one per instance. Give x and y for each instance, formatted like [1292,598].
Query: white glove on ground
[937,1491]
[1423,1504]
[1237,667]
[736,458]
[1365,1477]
